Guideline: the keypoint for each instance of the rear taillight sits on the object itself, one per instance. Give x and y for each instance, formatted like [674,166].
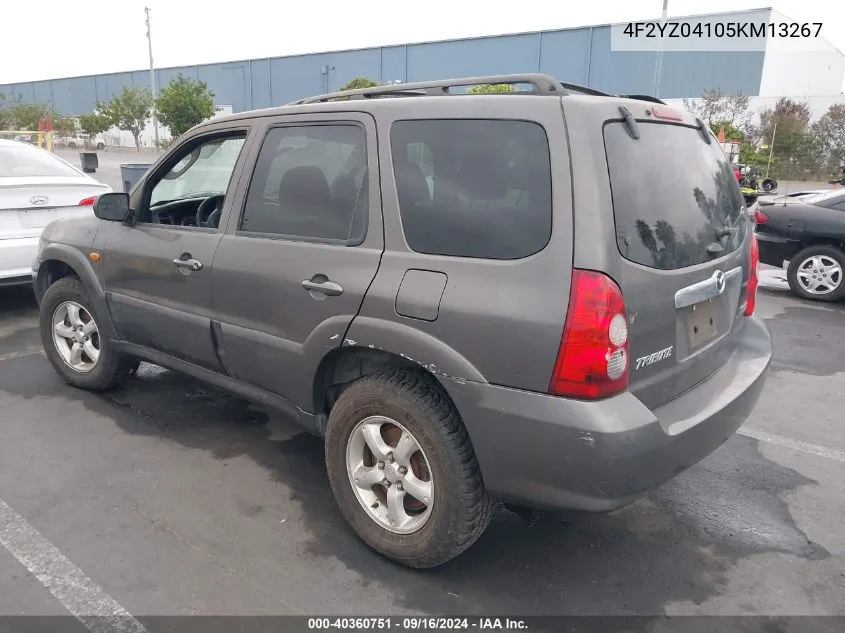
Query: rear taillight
[751,292]
[85,202]
[760,217]
[592,361]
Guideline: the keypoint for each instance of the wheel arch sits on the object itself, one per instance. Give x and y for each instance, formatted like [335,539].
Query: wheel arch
[58,261]
[375,352]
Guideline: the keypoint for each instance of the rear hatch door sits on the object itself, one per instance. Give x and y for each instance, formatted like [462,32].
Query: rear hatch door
[682,236]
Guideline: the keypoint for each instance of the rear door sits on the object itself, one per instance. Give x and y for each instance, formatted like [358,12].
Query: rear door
[677,239]
[300,251]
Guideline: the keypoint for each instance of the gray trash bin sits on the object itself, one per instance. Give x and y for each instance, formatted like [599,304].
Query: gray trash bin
[89,162]
[132,173]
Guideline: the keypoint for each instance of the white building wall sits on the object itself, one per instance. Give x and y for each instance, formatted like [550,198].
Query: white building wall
[810,67]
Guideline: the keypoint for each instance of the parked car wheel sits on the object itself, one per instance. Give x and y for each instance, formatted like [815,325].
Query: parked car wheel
[403,471]
[72,340]
[815,273]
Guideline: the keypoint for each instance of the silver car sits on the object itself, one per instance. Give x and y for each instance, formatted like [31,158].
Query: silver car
[36,187]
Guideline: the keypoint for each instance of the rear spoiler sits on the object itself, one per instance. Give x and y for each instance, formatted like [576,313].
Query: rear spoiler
[643,98]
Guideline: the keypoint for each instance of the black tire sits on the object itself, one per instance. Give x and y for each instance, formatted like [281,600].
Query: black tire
[795,262]
[461,510]
[111,368]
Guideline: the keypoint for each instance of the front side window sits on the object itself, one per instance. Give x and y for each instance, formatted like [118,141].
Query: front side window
[473,187]
[310,181]
[202,172]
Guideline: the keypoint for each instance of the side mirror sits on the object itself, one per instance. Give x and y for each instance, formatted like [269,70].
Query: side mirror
[113,207]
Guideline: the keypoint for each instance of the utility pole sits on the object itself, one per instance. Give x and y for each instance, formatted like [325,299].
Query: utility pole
[772,148]
[152,78]
[658,63]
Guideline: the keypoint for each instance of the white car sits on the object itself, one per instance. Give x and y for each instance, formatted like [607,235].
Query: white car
[36,187]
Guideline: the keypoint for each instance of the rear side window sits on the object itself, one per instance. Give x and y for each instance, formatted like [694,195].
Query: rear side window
[310,181]
[673,195]
[473,187]
[26,161]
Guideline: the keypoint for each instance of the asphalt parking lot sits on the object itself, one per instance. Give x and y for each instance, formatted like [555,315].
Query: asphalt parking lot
[169,497]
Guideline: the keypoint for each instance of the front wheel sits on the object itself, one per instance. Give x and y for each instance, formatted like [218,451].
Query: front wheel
[403,471]
[75,346]
[816,273]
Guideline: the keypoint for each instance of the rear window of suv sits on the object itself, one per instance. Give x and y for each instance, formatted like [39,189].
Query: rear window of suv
[672,195]
[473,187]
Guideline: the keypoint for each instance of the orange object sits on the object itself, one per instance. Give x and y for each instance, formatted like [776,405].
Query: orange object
[94,257]
[721,135]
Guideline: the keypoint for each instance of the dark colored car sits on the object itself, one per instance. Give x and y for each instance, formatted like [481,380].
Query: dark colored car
[806,235]
[545,297]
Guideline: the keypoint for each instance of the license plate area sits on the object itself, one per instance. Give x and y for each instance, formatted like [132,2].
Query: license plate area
[702,325]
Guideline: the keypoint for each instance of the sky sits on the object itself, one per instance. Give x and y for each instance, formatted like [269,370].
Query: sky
[100,36]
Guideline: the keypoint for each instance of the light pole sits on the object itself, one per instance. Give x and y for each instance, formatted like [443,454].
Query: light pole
[152,78]
[658,63]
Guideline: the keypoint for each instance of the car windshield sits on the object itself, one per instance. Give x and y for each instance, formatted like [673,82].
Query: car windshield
[25,161]
[819,198]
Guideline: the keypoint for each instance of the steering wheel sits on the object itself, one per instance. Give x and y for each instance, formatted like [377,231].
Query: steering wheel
[208,205]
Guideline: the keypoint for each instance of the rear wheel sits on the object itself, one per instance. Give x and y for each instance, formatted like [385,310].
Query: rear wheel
[816,273]
[403,471]
[73,341]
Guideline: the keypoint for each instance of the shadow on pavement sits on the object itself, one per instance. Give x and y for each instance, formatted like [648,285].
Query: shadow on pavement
[675,546]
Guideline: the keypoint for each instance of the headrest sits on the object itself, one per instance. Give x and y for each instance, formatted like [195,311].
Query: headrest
[411,185]
[305,187]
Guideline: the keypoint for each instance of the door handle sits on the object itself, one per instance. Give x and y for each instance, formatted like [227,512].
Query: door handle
[190,263]
[326,287]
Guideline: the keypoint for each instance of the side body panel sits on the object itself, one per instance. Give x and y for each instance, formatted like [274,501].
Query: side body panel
[498,321]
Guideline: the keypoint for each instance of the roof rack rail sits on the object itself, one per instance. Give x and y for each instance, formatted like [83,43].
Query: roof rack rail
[644,98]
[540,83]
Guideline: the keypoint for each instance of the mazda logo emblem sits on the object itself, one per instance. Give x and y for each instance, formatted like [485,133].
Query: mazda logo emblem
[719,276]
[39,201]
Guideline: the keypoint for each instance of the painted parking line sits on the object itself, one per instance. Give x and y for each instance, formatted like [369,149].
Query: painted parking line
[796,445]
[32,351]
[80,595]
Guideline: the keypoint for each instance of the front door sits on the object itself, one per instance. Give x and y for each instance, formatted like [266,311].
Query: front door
[158,270]
[291,272]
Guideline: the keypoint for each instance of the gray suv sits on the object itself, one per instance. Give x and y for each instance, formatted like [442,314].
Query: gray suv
[542,297]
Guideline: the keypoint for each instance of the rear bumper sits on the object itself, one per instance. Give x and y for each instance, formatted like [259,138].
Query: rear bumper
[16,257]
[776,250]
[548,452]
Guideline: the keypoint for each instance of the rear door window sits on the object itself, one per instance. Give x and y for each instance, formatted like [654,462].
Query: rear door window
[674,196]
[473,187]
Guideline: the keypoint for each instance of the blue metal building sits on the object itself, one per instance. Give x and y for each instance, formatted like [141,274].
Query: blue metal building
[580,55]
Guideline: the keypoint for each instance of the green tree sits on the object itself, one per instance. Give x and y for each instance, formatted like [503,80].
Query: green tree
[358,83]
[490,89]
[64,126]
[716,105]
[183,104]
[129,111]
[829,133]
[25,116]
[94,123]
[784,131]
[732,133]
